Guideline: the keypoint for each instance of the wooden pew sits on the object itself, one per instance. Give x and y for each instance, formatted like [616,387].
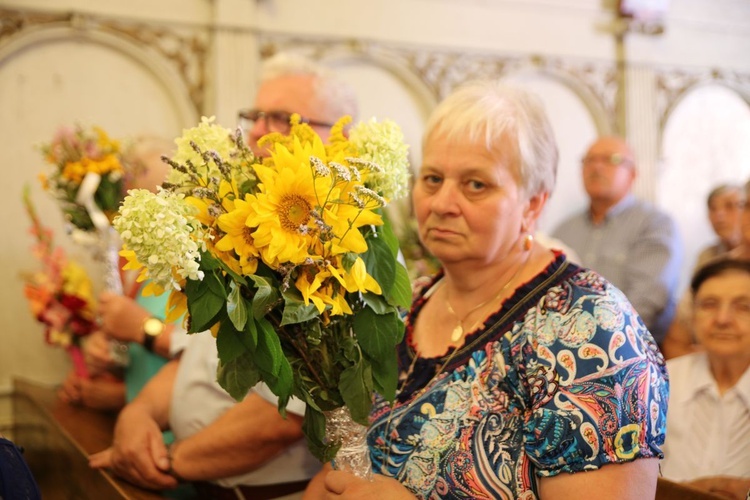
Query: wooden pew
[58,438]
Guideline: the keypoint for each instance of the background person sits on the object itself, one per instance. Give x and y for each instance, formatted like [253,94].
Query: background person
[708,425]
[725,209]
[725,204]
[510,386]
[227,448]
[632,244]
[131,318]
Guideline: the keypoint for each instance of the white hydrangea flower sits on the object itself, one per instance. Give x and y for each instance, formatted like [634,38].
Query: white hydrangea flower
[208,136]
[383,144]
[164,234]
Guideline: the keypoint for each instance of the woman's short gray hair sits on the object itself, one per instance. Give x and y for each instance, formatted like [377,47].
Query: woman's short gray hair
[334,95]
[499,114]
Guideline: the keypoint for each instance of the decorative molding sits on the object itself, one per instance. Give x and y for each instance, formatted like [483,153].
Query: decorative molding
[186,53]
[440,71]
[673,85]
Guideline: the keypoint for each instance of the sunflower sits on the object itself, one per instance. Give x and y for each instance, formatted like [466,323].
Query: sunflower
[323,291]
[238,235]
[285,209]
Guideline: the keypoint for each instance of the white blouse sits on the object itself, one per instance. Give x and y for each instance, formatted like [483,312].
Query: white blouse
[707,434]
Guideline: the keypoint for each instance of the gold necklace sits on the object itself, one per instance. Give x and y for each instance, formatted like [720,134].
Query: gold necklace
[458,332]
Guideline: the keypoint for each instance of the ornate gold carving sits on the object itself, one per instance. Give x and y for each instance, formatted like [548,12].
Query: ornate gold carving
[186,52]
[673,84]
[442,70]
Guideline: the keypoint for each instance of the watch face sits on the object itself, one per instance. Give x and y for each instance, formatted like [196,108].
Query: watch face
[153,326]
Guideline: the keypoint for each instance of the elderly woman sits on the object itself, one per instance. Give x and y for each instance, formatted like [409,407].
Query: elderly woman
[681,338]
[519,370]
[708,443]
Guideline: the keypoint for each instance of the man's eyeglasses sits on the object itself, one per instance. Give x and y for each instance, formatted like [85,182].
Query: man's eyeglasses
[276,121]
[615,159]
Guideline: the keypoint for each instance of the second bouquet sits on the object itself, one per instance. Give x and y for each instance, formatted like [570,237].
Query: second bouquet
[288,260]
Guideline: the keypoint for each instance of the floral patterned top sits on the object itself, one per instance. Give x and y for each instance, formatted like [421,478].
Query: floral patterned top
[565,377]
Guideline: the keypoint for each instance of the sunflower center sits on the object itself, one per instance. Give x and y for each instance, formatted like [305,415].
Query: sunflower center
[247,235]
[294,211]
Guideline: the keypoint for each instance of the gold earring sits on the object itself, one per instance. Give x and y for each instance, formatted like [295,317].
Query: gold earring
[528,241]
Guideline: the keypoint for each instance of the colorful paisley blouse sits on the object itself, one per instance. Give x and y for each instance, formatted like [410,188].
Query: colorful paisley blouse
[563,378]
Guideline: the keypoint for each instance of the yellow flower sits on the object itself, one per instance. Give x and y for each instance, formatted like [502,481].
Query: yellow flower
[323,292]
[283,210]
[357,279]
[338,144]
[134,264]
[176,306]
[238,235]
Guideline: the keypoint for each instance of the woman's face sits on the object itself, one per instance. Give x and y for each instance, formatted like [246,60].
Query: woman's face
[722,314]
[468,204]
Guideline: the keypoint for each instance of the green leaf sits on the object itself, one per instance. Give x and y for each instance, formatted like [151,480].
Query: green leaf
[314,427]
[282,384]
[378,336]
[355,386]
[229,343]
[236,308]
[205,299]
[250,339]
[265,296]
[400,293]
[238,376]
[295,310]
[209,262]
[376,302]
[268,353]
[380,263]
[387,234]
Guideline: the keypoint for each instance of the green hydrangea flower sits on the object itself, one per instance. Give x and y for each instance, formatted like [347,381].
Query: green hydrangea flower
[383,144]
[160,228]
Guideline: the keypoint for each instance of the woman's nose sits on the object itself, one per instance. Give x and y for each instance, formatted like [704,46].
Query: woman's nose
[445,198]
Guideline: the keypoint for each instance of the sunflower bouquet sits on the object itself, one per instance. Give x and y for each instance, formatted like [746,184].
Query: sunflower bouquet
[60,295]
[87,179]
[286,259]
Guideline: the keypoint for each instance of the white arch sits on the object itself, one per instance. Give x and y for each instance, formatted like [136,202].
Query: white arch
[178,92]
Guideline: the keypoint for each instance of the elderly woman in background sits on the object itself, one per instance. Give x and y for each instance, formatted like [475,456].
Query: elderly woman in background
[708,438]
[680,338]
[519,370]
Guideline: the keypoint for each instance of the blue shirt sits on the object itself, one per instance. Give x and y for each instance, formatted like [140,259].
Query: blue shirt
[638,249]
[563,378]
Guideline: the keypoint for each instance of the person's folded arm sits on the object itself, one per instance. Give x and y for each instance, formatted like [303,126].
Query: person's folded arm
[138,453]
[241,440]
[634,480]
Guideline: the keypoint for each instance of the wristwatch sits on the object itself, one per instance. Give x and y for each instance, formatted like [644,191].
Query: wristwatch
[152,328]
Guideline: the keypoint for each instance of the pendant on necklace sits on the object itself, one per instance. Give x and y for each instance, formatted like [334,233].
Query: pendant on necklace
[457,333]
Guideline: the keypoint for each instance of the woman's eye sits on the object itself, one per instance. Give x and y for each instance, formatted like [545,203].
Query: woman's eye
[475,186]
[431,180]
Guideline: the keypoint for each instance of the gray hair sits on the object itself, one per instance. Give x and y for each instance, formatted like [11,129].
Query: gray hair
[723,189]
[490,111]
[334,95]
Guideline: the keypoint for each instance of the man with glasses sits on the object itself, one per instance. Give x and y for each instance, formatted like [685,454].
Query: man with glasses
[229,450]
[629,242]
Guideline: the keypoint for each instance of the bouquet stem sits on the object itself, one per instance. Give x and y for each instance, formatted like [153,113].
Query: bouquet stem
[79,364]
[353,456]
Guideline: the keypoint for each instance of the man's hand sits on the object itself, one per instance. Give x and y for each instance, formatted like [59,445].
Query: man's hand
[121,317]
[99,393]
[138,453]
